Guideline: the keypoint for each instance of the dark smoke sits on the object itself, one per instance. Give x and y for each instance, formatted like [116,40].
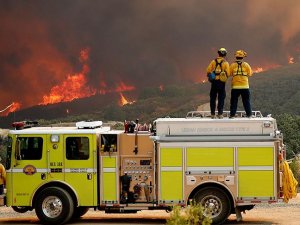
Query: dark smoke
[140,42]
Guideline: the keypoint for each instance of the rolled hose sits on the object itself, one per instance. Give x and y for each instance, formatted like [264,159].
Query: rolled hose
[289,183]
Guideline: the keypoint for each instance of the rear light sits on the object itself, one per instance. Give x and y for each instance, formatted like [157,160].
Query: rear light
[281,193]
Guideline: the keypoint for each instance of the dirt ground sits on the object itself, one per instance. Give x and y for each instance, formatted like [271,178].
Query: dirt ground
[279,213]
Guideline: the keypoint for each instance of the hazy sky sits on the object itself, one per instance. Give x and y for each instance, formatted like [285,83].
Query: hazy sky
[137,42]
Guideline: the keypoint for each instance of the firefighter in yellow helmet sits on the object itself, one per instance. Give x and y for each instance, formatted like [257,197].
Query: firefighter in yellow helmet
[240,71]
[217,73]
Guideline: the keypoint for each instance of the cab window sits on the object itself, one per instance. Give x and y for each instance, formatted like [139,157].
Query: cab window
[7,158]
[29,148]
[77,148]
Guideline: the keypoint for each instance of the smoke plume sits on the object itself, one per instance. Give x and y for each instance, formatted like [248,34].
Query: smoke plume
[133,43]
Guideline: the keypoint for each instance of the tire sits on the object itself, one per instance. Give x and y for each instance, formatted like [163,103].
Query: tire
[20,209]
[54,206]
[80,211]
[216,201]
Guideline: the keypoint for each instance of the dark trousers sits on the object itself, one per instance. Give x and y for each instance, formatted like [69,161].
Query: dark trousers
[1,189]
[235,93]
[217,90]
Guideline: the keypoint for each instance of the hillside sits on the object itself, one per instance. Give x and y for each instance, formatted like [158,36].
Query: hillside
[277,91]
[273,92]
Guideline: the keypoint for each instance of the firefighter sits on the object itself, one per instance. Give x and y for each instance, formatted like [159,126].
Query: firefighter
[2,178]
[240,71]
[217,73]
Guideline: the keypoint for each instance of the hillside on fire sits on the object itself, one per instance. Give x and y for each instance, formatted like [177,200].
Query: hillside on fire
[274,91]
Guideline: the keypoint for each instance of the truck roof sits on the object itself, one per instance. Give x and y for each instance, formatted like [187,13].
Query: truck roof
[64,130]
[207,126]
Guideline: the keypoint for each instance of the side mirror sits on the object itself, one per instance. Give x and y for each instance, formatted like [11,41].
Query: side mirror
[17,150]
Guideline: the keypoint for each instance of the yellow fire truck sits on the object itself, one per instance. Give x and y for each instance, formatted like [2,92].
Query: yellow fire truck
[224,164]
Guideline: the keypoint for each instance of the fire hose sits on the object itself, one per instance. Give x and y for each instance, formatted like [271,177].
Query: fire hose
[289,183]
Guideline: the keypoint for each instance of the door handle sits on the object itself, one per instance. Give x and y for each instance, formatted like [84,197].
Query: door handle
[89,176]
[43,176]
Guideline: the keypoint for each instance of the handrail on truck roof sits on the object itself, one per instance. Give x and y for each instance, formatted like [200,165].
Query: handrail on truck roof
[205,114]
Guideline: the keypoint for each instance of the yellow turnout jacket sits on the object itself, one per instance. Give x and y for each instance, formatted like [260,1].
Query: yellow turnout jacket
[240,71]
[2,174]
[224,67]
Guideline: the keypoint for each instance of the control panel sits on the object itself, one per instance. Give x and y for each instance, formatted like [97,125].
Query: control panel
[140,172]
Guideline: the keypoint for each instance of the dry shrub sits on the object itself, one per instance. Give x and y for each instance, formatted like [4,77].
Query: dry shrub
[191,215]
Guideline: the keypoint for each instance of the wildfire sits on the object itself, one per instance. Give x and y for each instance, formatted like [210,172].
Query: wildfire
[258,70]
[291,60]
[123,87]
[161,87]
[11,108]
[72,88]
[265,68]
[120,87]
[75,86]
[124,101]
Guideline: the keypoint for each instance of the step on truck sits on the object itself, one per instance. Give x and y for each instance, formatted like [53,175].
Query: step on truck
[227,165]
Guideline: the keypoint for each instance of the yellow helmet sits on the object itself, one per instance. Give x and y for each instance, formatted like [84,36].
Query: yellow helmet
[222,51]
[240,53]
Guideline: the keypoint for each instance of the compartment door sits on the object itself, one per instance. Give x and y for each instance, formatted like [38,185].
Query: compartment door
[109,180]
[256,172]
[209,160]
[171,175]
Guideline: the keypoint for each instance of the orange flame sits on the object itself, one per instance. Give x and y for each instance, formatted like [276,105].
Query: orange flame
[123,87]
[11,108]
[103,88]
[291,60]
[161,87]
[75,86]
[72,88]
[265,68]
[258,70]
[124,101]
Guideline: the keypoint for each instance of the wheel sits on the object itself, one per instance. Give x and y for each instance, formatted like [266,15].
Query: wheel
[217,203]
[80,211]
[54,206]
[21,209]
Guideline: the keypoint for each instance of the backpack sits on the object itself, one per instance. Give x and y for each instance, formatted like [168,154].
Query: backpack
[218,71]
[218,68]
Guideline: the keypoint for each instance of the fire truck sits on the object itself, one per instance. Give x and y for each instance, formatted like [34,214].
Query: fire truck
[223,164]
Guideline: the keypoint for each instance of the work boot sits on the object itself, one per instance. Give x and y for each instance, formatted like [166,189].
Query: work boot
[220,116]
[213,116]
[231,117]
